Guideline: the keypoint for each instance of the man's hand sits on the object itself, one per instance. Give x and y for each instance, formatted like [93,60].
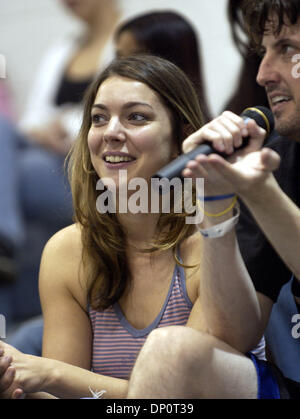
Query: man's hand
[241,171]
[227,132]
[243,177]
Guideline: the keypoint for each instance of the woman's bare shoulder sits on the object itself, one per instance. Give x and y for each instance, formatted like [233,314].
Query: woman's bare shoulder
[61,265]
[62,254]
[65,244]
[68,236]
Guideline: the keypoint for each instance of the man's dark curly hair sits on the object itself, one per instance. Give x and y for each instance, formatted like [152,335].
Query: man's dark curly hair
[259,13]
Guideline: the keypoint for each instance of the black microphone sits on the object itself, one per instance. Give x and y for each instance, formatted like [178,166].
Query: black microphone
[261,115]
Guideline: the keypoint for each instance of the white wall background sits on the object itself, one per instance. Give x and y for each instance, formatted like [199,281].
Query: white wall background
[28,27]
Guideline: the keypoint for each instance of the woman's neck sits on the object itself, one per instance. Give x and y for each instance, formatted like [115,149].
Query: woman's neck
[140,229]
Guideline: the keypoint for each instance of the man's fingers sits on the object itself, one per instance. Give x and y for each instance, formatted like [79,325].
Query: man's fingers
[270,159]
[222,166]
[198,137]
[256,132]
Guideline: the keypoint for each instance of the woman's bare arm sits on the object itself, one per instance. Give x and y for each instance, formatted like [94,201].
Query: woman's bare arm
[64,369]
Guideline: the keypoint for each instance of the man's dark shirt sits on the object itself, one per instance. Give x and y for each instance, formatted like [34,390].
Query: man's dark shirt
[265,267]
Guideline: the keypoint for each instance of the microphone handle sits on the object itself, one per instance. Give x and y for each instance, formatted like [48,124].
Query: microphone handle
[174,169]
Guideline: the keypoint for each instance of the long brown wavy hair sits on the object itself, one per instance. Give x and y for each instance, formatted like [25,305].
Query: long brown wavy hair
[103,237]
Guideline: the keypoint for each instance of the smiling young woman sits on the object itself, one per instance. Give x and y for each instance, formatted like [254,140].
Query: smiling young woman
[132,108]
[118,276]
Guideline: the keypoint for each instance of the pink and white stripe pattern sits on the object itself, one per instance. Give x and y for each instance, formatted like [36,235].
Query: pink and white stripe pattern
[116,343]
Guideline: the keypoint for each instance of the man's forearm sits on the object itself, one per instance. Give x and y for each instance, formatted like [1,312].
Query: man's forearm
[228,298]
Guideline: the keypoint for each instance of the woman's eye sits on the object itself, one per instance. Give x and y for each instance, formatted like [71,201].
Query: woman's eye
[137,117]
[98,119]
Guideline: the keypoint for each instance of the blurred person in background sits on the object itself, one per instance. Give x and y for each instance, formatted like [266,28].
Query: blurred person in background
[6,102]
[169,35]
[6,112]
[35,195]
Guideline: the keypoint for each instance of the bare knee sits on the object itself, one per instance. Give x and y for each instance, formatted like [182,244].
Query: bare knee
[175,344]
[163,342]
[167,357]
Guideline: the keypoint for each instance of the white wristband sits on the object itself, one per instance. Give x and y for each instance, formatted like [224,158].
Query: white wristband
[221,229]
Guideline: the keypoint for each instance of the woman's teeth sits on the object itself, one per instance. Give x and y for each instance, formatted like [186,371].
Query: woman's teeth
[118,159]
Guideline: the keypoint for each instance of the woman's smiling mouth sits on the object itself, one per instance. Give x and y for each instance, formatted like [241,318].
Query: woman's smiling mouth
[117,160]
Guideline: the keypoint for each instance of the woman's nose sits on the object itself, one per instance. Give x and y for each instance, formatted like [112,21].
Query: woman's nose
[114,131]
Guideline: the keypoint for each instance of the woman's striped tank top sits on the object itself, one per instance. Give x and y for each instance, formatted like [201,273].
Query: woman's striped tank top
[116,343]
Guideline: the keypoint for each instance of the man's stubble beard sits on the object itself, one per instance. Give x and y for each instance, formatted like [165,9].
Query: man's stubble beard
[289,127]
